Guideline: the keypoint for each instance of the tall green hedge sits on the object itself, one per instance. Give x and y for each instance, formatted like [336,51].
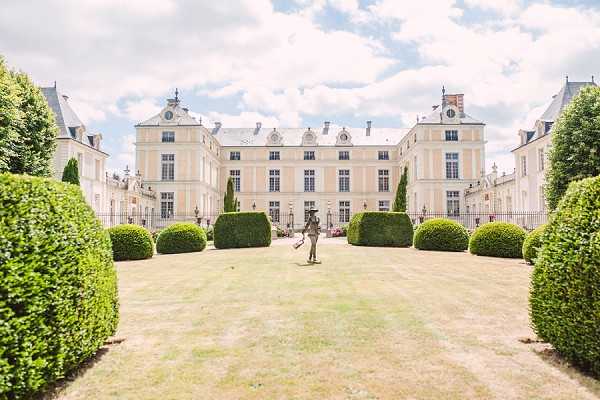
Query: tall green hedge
[58,295]
[242,229]
[565,289]
[378,228]
[441,234]
[532,243]
[130,242]
[497,239]
[182,237]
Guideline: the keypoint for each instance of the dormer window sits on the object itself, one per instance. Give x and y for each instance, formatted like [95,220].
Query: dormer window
[169,115]
[344,138]
[309,138]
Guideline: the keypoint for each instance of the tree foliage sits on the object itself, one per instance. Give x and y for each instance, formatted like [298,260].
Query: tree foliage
[229,201]
[575,152]
[400,200]
[10,117]
[71,172]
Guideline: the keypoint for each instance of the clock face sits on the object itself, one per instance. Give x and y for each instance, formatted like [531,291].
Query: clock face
[450,113]
[344,137]
[169,115]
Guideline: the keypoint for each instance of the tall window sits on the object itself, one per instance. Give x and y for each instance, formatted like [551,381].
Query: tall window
[451,165]
[309,180]
[235,174]
[344,180]
[384,180]
[168,137]
[273,180]
[309,155]
[166,204]
[541,159]
[274,211]
[344,207]
[274,155]
[307,206]
[167,167]
[453,202]
[384,205]
[343,155]
[523,166]
[234,155]
[383,155]
[452,136]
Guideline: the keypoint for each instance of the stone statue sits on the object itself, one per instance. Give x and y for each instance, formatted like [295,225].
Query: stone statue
[313,228]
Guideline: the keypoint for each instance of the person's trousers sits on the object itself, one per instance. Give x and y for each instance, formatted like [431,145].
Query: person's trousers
[313,247]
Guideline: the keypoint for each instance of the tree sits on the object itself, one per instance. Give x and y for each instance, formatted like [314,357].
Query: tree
[10,117]
[36,143]
[229,201]
[400,200]
[575,152]
[71,172]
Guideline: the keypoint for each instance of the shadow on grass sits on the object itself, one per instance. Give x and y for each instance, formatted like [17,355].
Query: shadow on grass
[552,357]
[56,389]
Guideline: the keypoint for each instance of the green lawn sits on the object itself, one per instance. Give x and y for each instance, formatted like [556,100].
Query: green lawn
[368,323]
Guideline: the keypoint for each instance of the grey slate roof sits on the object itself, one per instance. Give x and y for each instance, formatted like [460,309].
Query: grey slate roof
[564,97]
[230,137]
[64,114]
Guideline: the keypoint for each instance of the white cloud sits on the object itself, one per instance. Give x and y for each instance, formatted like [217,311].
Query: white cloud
[141,110]
[127,155]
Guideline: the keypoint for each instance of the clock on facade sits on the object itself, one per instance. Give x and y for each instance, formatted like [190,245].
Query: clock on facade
[344,137]
[450,113]
[169,115]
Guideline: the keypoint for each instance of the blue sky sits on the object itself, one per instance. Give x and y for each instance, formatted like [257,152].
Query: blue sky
[299,63]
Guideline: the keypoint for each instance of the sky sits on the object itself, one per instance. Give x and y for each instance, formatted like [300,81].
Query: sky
[298,63]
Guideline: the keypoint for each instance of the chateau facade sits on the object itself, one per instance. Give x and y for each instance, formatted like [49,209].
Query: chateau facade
[282,170]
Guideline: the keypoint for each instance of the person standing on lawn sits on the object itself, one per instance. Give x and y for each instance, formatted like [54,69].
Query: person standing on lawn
[314,229]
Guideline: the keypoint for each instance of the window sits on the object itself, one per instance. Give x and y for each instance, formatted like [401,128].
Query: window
[273,180]
[453,202]
[274,211]
[451,165]
[383,155]
[344,155]
[309,180]
[541,159]
[307,206]
[234,155]
[384,180]
[344,207]
[523,166]
[168,167]
[166,204]
[344,180]
[309,155]
[274,155]
[452,136]
[168,137]
[235,175]
[384,205]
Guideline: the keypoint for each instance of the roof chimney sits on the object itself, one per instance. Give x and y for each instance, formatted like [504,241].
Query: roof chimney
[258,126]
[326,127]
[216,128]
[368,128]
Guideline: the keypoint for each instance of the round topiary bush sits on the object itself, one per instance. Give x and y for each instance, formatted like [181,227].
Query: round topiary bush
[497,239]
[441,234]
[565,290]
[181,237]
[130,242]
[242,229]
[532,243]
[58,291]
[380,228]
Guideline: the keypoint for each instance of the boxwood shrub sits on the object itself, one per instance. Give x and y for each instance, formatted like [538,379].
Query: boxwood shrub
[441,234]
[181,237]
[130,242]
[242,229]
[565,294]
[497,239]
[378,228]
[532,243]
[58,294]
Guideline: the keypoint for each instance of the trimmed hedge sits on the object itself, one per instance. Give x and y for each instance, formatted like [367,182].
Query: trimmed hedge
[181,237]
[565,295]
[242,229]
[441,234]
[532,243]
[497,239]
[58,296]
[380,228]
[130,242]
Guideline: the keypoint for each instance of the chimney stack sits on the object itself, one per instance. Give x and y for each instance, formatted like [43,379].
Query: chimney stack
[258,126]
[326,127]
[368,128]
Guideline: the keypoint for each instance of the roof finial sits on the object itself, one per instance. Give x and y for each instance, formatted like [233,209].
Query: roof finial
[443,90]
[55,82]
[567,78]
[592,78]
[176,94]
[443,96]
